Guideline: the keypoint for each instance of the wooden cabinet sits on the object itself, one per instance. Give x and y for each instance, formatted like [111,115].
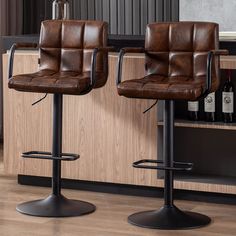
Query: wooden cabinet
[109,132]
[210,146]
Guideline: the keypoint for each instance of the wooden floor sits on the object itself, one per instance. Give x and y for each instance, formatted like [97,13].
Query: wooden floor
[110,219]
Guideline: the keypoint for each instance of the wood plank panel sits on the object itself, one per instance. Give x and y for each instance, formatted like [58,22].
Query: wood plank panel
[108,131]
[25,127]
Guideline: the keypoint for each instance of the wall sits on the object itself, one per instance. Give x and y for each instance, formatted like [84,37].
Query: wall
[220,11]
[128,17]
[125,17]
[11,12]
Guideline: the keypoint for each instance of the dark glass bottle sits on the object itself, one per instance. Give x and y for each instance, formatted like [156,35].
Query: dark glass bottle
[228,100]
[193,111]
[60,9]
[210,107]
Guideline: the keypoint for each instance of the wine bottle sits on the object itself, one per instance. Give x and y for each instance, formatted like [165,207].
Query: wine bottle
[193,110]
[209,107]
[60,9]
[228,100]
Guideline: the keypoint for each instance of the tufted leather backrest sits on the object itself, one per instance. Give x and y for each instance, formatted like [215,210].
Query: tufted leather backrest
[180,49]
[67,45]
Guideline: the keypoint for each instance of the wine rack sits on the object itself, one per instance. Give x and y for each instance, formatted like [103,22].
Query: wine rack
[210,146]
[202,124]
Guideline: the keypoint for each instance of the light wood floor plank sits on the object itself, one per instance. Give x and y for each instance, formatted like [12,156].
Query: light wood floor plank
[110,219]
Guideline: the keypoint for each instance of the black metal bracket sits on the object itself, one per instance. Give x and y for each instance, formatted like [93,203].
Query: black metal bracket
[14,47]
[177,166]
[210,57]
[122,53]
[93,71]
[48,156]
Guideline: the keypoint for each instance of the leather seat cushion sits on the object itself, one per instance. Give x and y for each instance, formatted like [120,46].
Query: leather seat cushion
[65,53]
[161,87]
[48,81]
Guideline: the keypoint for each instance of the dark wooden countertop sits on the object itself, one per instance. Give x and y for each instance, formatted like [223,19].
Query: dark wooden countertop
[118,41]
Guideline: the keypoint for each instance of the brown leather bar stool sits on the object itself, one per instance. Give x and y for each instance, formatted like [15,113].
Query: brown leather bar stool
[181,63]
[73,60]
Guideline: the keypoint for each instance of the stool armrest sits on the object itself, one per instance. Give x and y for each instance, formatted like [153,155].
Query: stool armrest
[123,51]
[94,65]
[220,52]
[23,45]
[104,49]
[210,56]
[14,47]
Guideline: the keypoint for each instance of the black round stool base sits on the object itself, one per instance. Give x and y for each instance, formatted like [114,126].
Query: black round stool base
[56,206]
[169,218]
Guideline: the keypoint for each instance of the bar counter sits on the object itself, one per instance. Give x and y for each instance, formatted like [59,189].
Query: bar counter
[109,132]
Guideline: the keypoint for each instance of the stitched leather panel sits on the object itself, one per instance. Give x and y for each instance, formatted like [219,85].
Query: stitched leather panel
[65,58]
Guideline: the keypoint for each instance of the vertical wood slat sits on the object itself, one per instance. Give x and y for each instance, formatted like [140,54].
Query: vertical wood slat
[129,17]
[167,10]
[113,16]
[152,10]
[159,10]
[144,15]
[76,9]
[136,17]
[98,9]
[84,9]
[48,10]
[91,9]
[121,17]
[106,12]
[174,10]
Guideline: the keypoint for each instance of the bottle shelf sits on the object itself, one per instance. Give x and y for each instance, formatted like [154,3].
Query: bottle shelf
[195,178]
[202,124]
[214,155]
[207,179]
[228,62]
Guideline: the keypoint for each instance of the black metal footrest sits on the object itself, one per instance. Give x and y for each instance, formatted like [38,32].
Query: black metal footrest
[48,156]
[177,166]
